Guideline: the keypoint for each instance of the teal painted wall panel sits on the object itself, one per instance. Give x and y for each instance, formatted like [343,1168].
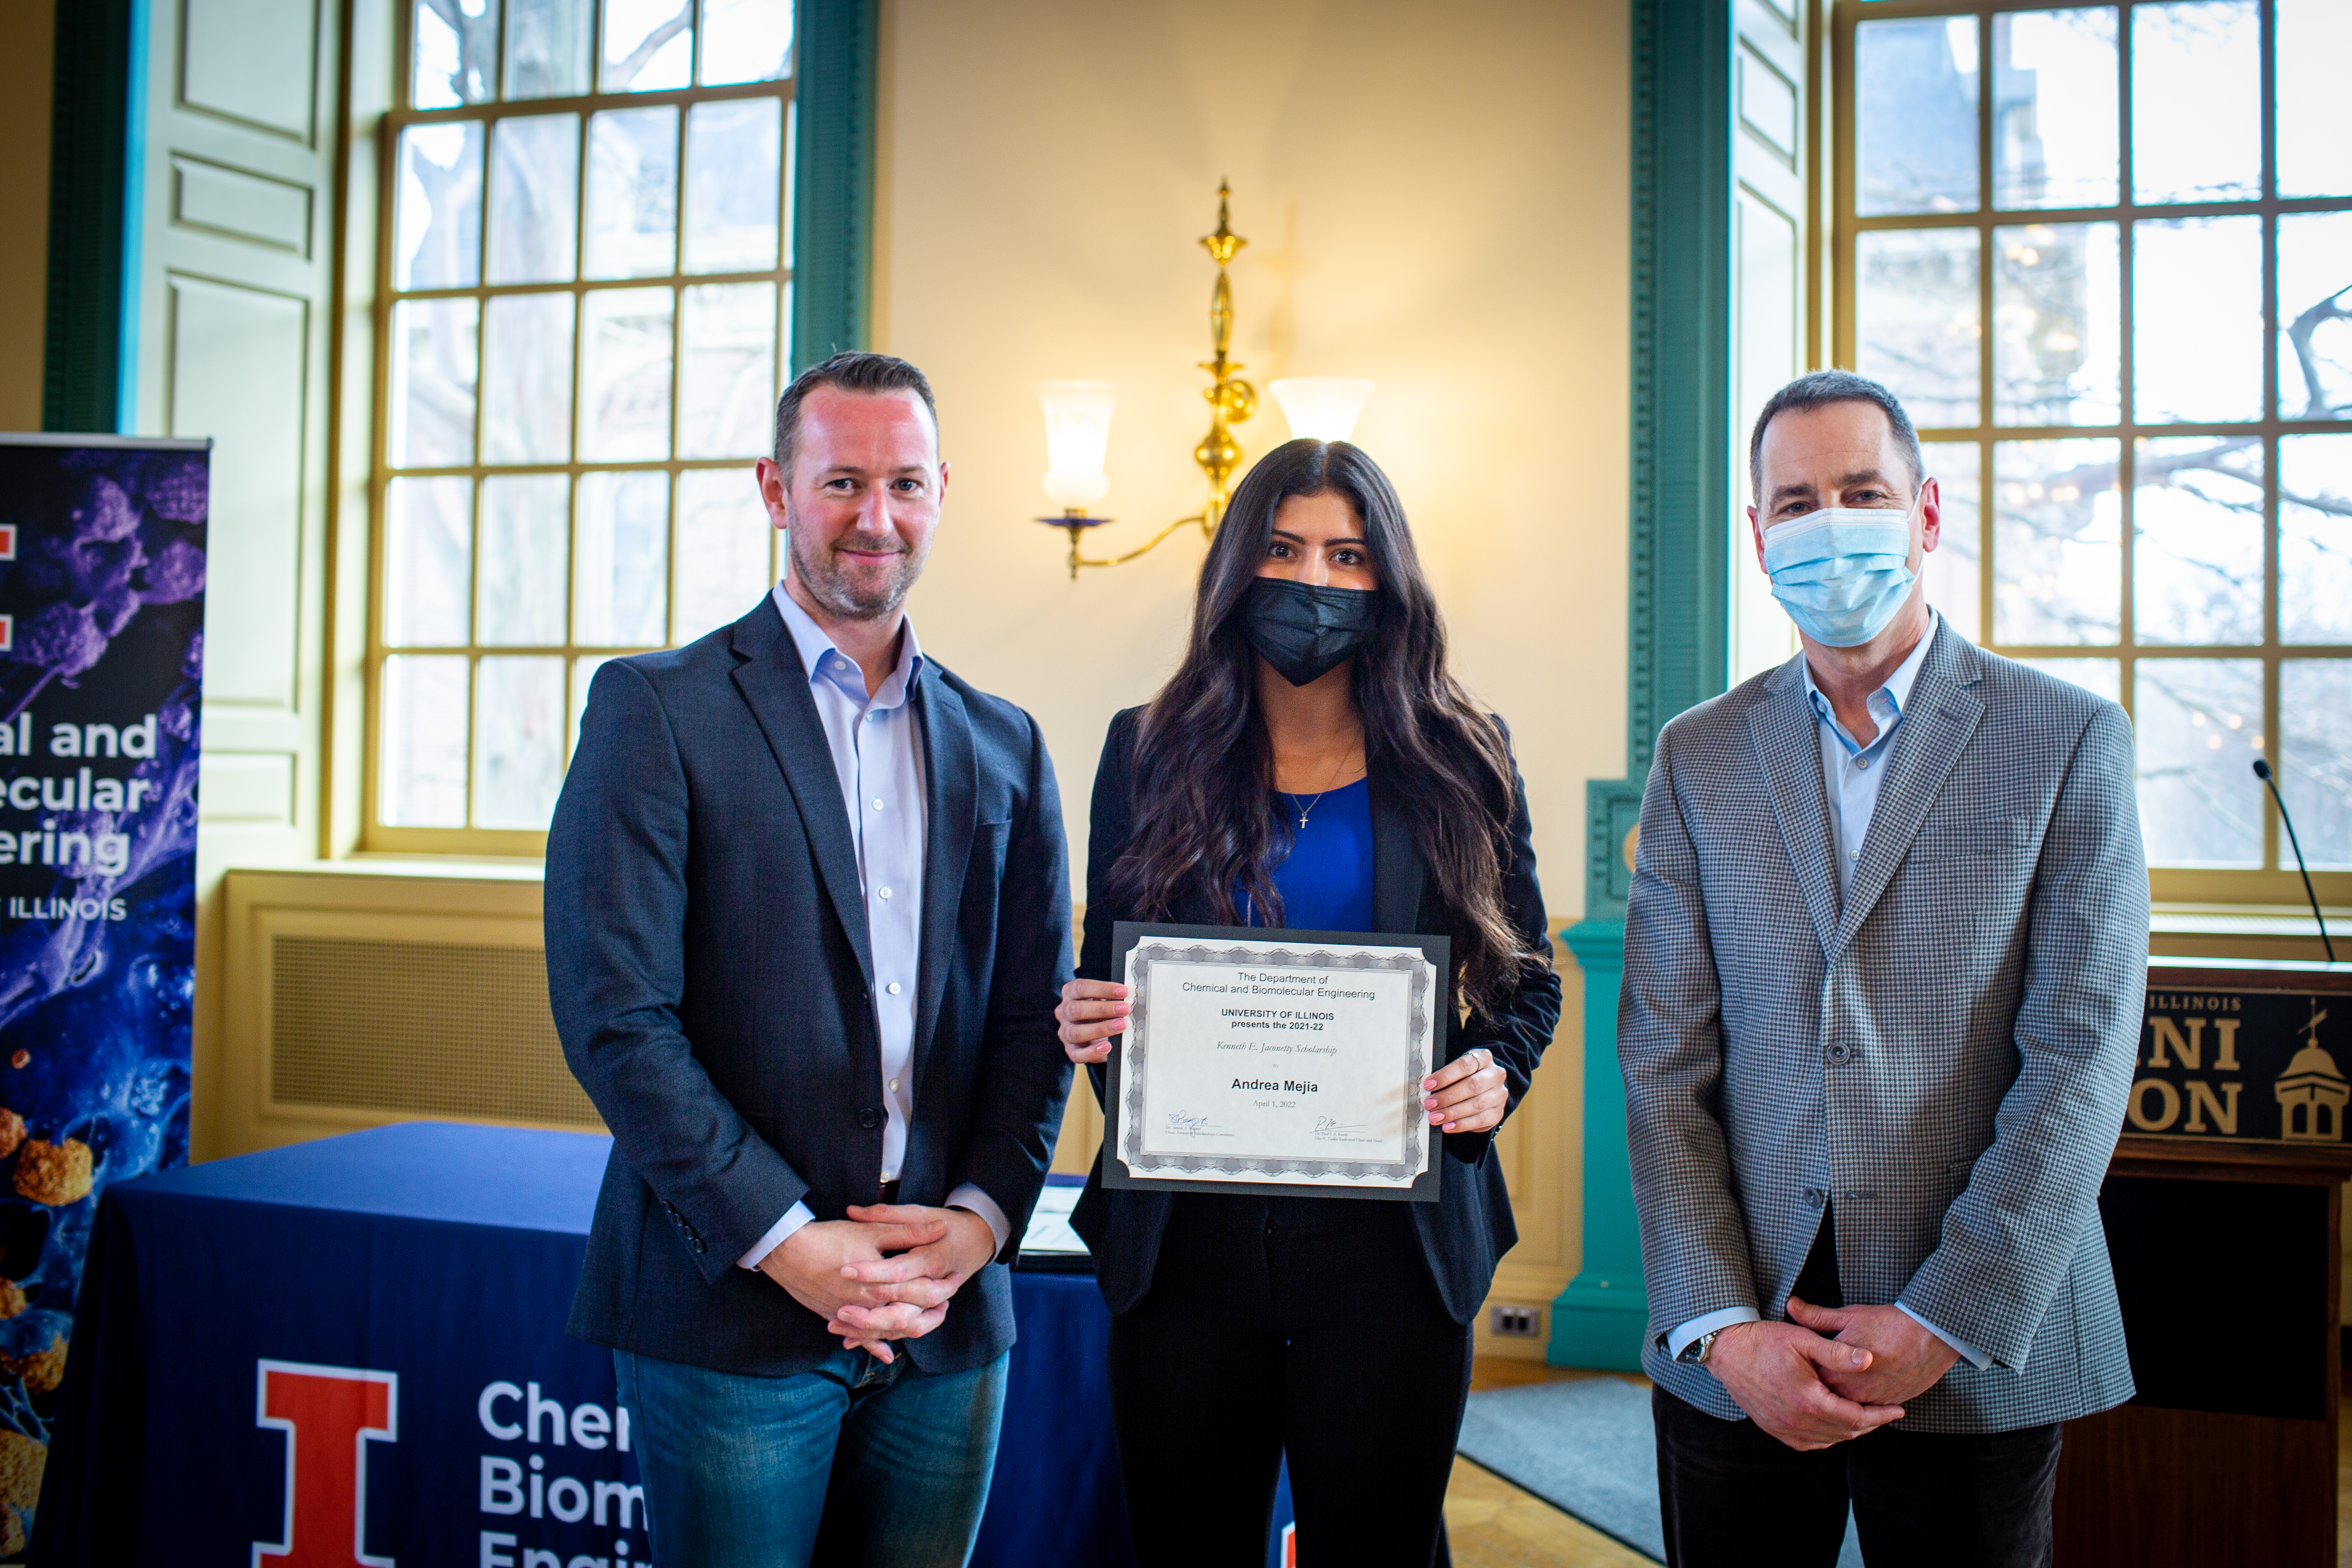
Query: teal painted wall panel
[1678,608]
[833,178]
[91,130]
[1600,1319]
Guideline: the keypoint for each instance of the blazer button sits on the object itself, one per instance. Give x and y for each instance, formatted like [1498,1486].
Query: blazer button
[1841,1053]
[1813,1197]
[699,1247]
[868,1117]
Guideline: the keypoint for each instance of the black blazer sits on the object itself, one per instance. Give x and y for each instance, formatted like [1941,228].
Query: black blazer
[708,959]
[1468,1230]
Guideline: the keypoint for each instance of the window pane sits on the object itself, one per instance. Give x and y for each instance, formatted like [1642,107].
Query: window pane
[438,242]
[2200,724]
[518,742]
[624,375]
[428,552]
[2099,676]
[722,549]
[648,44]
[583,672]
[2196,566]
[734,154]
[2197,82]
[547,48]
[2054,135]
[2315,143]
[424,779]
[457,52]
[2197,329]
[526,530]
[1951,568]
[1915,320]
[2316,759]
[526,383]
[2057,542]
[632,193]
[1917,82]
[726,380]
[2315,539]
[431,421]
[534,198]
[2315,300]
[621,585]
[746,40]
[2057,309]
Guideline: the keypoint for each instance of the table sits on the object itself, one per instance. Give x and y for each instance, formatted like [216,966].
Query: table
[353,1350]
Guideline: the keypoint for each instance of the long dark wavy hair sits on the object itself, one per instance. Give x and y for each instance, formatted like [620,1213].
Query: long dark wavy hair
[1204,818]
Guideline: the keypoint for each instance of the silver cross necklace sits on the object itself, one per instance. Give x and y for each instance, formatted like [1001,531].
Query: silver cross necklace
[1305,810]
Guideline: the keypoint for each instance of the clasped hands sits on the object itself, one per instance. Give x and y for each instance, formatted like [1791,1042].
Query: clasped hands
[1468,1094]
[884,1273]
[1811,1390]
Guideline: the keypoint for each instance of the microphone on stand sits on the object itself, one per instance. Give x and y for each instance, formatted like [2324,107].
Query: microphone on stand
[2262,772]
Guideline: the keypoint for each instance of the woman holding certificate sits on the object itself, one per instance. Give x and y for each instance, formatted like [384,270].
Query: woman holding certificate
[1314,980]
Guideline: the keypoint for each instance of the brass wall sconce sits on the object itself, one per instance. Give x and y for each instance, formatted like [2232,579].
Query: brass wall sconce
[1078,413]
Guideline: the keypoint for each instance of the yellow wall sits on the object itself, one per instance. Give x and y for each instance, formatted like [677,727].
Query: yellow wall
[1434,198]
[25,67]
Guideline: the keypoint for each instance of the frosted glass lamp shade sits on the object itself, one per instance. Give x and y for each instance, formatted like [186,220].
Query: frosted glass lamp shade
[1078,431]
[1321,408]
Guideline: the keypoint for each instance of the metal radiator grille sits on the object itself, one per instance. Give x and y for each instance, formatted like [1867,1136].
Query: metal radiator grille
[417,1028]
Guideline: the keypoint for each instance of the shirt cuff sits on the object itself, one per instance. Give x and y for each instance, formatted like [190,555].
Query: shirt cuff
[1969,1352]
[968,1196]
[778,1234]
[1679,1339]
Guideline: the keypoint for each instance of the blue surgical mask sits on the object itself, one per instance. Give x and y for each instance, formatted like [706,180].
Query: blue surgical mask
[1842,572]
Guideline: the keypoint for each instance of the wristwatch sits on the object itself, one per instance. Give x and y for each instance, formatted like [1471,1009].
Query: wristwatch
[1699,1350]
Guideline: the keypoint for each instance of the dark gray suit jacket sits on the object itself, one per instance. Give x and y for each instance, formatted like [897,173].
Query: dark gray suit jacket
[707,960]
[1945,1048]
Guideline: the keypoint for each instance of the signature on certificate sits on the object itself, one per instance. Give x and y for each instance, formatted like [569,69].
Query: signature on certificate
[1330,1128]
[1186,1124]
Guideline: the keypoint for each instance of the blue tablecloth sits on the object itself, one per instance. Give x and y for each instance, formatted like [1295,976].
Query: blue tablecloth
[364,1335]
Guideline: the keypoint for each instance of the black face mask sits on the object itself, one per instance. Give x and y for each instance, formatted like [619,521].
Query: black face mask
[1303,631]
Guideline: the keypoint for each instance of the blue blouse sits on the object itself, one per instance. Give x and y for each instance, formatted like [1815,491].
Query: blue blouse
[1326,881]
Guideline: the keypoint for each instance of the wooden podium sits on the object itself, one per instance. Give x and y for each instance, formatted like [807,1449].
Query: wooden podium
[2223,1208]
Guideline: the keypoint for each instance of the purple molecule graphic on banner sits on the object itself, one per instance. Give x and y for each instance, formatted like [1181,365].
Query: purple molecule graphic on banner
[101,659]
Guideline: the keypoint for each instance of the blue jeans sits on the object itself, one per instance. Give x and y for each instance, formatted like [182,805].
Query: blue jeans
[852,1463]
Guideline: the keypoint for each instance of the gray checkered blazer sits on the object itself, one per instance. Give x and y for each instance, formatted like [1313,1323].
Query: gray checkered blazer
[1946,1051]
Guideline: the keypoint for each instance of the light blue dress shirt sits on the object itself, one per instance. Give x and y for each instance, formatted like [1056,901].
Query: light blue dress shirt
[878,754]
[1851,773]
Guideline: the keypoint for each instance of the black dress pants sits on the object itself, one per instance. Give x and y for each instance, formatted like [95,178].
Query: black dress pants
[1305,1326]
[1732,1494]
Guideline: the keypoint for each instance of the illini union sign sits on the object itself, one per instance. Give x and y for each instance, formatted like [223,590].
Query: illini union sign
[2230,1061]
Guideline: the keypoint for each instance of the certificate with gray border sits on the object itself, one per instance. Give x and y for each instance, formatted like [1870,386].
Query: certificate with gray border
[1275,1062]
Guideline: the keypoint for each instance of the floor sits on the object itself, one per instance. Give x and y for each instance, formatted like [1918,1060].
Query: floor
[1491,1524]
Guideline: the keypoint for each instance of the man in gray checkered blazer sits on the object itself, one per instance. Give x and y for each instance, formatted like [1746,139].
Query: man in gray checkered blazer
[1884,964]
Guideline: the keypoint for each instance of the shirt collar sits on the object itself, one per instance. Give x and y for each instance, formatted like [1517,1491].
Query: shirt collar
[1897,690]
[825,661]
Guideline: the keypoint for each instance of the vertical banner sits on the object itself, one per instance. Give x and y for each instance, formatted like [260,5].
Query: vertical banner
[101,656]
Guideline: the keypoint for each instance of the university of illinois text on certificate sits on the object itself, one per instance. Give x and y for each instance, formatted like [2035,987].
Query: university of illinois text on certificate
[1266,1061]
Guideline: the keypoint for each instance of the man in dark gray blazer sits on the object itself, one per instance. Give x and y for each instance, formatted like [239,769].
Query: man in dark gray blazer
[808,916]
[1884,968]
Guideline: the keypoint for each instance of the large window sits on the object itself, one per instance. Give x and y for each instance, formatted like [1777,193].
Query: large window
[587,276]
[2103,254]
